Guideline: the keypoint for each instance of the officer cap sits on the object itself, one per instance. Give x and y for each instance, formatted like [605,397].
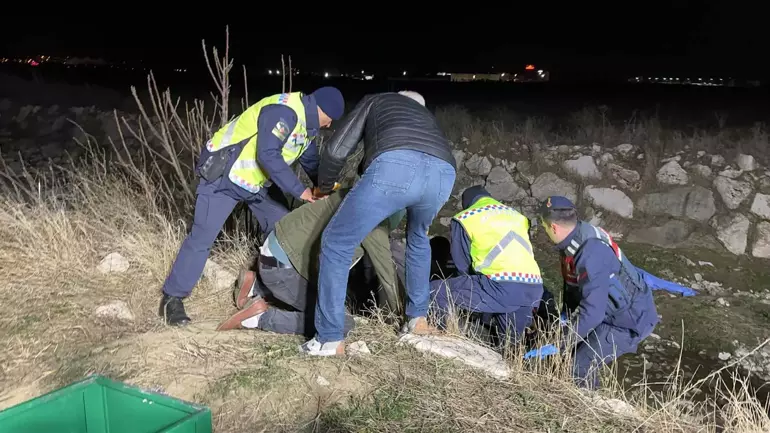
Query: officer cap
[555,204]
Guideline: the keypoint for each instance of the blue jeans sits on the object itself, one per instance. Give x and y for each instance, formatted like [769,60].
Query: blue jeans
[395,180]
[213,205]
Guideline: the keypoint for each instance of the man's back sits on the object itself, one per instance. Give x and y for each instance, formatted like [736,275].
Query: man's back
[386,122]
[396,122]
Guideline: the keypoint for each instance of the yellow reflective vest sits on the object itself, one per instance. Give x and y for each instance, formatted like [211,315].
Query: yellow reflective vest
[500,245]
[246,172]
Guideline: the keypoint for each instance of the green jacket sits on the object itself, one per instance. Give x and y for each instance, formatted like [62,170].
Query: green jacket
[299,234]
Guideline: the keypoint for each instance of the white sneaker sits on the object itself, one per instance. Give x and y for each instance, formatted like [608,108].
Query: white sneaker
[314,348]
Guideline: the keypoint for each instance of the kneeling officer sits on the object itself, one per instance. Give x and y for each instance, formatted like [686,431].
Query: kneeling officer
[606,299]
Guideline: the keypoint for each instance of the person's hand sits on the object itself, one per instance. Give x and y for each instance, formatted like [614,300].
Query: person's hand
[307,195]
[318,194]
[542,352]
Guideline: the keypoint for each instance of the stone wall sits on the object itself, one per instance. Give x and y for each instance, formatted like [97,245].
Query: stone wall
[688,200]
[694,200]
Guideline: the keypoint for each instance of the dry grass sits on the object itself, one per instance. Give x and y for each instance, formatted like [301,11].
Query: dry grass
[55,227]
[501,133]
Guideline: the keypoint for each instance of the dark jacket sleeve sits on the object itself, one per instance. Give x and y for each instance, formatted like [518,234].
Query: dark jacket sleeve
[344,141]
[595,264]
[460,248]
[270,146]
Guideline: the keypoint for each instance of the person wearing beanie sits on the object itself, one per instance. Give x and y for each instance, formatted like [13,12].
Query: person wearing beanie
[498,274]
[607,301]
[407,164]
[239,163]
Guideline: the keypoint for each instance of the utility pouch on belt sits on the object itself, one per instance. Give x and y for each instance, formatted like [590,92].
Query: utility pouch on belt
[214,166]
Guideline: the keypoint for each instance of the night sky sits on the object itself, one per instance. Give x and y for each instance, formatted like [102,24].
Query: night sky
[718,38]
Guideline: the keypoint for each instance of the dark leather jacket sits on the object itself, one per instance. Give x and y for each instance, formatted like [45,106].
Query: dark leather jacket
[385,121]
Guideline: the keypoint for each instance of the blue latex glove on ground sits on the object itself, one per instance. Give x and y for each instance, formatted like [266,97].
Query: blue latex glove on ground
[563,318]
[547,350]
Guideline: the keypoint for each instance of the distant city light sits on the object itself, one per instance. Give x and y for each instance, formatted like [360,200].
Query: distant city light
[326,75]
[404,74]
[530,67]
[362,71]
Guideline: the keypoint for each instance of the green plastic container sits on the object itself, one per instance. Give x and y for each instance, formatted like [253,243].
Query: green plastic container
[100,405]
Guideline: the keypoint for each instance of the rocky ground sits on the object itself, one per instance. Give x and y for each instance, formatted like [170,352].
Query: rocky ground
[699,218]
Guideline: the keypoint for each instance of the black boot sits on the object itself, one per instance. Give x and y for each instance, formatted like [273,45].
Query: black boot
[172,311]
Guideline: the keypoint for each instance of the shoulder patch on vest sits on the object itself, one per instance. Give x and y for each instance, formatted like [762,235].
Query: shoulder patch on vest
[281,130]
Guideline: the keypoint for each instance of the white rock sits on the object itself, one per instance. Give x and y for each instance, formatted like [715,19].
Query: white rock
[730,173]
[732,231]
[480,166]
[462,350]
[733,192]
[676,158]
[761,248]
[672,174]
[761,206]
[459,157]
[613,200]
[625,148]
[724,356]
[548,184]
[115,310]
[701,170]
[359,348]
[584,167]
[717,160]
[219,276]
[722,302]
[113,262]
[614,405]
[746,162]
[444,221]
[321,381]
[606,159]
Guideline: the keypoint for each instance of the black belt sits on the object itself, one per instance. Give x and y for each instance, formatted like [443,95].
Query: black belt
[273,262]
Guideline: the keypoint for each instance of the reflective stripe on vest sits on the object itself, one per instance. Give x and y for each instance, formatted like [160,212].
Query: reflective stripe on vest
[492,229]
[245,171]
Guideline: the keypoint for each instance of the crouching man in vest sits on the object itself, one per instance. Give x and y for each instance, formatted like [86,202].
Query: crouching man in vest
[607,302]
[239,163]
[492,252]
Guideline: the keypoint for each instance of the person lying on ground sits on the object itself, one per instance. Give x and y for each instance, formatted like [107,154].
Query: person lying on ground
[288,269]
[606,300]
